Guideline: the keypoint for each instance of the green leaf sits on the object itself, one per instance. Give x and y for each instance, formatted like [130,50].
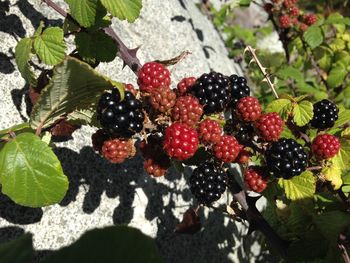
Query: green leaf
[16,128]
[331,224]
[74,86]
[336,76]
[17,251]
[299,187]
[303,113]
[110,244]
[124,9]
[23,54]
[342,159]
[323,56]
[87,12]
[245,2]
[282,106]
[346,177]
[89,46]
[333,175]
[83,117]
[289,72]
[313,36]
[31,175]
[50,46]
[337,19]
[344,117]
[337,44]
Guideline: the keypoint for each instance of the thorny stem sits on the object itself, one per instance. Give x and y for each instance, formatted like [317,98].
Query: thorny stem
[127,55]
[255,218]
[314,168]
[344,253]
[263,70]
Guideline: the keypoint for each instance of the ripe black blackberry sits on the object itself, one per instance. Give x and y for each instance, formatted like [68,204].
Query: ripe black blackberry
[213,91]
[208,182]
[120,118]
[286,158]
[239,89]
[325,114]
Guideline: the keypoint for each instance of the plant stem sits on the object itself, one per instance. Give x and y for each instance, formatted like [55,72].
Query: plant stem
[127,55]
[282,36]
[263,70]
[255,218]
[314,168]
[344,253]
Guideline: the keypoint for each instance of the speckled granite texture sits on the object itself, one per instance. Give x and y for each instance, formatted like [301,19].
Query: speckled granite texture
[100,193]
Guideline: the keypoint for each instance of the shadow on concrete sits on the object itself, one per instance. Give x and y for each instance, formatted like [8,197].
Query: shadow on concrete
[18,214]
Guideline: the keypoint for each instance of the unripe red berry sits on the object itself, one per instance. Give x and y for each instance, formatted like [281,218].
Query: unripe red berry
[325,146]
[185,85]
[227,149]
[153,75]
[270,126]
[118,150]
[187,110]
[285,21]
[255,179]
[248,109]
[209,131]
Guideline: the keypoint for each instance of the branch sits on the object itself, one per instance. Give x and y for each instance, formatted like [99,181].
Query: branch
[282,36]
[263,70]
[255,218]
[127,55]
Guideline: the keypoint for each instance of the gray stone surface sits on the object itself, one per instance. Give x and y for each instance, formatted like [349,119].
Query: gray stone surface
[100,193]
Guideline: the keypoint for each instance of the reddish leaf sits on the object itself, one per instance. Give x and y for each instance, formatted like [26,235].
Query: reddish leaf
[63,129]
[190,223]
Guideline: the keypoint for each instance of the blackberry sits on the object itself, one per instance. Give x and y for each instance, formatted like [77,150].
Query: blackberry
[121,118]
[212,91]
[239,89]
[286,158]
[325,114]
[207,183]
[244,132]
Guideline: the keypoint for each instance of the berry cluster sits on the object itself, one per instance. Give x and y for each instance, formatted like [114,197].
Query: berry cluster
[289,15]
[175,123]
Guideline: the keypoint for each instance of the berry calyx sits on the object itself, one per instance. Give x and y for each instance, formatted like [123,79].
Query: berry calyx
[270,126]
[285,21]
[180,142]
[286,158]
[209,131]
[185,85]
[213,92]
[239,88]
[207,183]
[325,114]
[227,149]
[325,146]
[162,99]
[255,179]
[118,150]
[187,110]
[248,109]
[153,75]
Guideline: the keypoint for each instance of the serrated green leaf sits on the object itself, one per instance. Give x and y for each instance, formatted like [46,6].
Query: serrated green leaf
[299,187]
[346,177]
[332,174]
[83,117]
[337,19]
[110,244]
[344,117]
[50,46]
[331,223]
[313,36]
[346,189]
[282,106]
[87,12]
[323,56]
[89,46]
[74,86]
[289,72]
[17,251]
[336,76]
[16,128]
[124,9]
[23,54]
[337,44]
[31,174]
[342,159]
[303,113]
